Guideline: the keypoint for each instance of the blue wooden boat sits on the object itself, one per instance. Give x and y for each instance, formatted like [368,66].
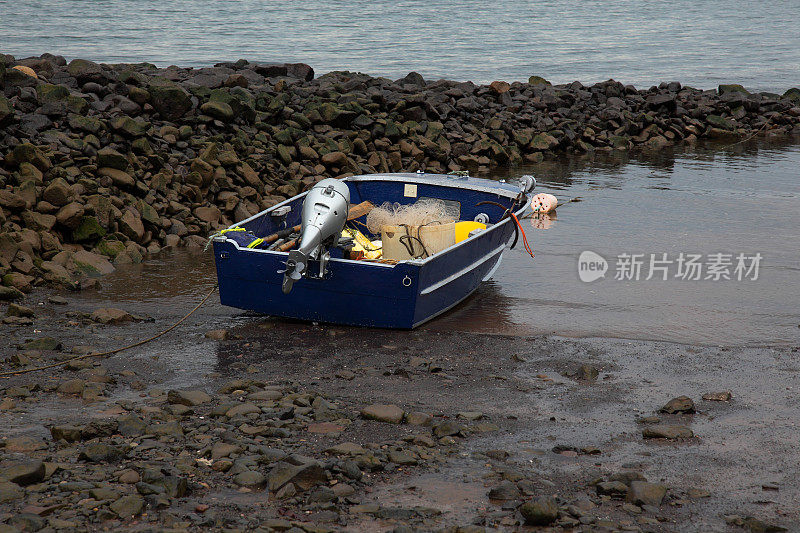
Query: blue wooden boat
[361,293]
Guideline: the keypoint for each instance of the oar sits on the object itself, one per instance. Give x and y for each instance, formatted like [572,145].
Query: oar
[355,212]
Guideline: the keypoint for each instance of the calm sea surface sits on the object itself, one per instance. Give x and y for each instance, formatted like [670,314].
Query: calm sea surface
[642,42]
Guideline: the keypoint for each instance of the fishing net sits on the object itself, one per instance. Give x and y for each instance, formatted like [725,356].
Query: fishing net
[419,214]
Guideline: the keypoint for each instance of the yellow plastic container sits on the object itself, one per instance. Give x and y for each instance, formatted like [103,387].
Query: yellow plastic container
[464,228]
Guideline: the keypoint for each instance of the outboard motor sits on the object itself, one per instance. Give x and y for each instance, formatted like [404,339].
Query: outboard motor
[324,215]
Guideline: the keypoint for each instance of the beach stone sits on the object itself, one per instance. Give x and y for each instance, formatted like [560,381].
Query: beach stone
[391,414]
[724,396]
[346,448]
[10,293]
[499,87]
[131,225]
[43,343]
[101,453]
[128,506]
[70,215]
[303,476]
[417,418]
[111,315]
[110,158]
[12,201]
[89,229]
[249,478]
[23,473]
[66,432]
[6,110]
[170,99]
[615,488]
[84,70]
[28,153]
[644,493]
[506,490]
[58,192]
[188,397]
[664,431]
[72,387]
[719,122]
[447,428]
[10,492]
[224,449]
[130,425]
[92,264]
[540,512]
[681,404]
[538,80]
[218,110]
[19,310]
[242,409]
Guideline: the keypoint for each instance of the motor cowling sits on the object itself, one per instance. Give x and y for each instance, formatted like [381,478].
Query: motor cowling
[323,218]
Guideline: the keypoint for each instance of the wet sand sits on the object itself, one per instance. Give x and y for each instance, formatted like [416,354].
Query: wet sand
[532,413]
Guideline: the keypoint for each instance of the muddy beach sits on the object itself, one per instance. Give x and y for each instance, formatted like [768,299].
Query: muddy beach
[113,176]
[237,421]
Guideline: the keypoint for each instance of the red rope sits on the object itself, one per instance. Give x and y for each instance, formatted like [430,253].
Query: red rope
[524,237]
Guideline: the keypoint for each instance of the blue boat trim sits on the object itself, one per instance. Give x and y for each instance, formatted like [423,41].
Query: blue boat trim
[468,268]
[389,295]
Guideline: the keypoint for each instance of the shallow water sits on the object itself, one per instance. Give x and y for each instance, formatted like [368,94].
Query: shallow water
[642,42]
[743,199]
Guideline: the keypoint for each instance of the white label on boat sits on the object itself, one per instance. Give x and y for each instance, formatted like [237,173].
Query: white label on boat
[410,190]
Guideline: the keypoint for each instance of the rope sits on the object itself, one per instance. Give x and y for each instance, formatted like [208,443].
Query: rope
[750,136]
[524,237]
[111,352]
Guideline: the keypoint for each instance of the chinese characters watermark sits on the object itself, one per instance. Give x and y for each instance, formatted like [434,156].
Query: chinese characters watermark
[716,266]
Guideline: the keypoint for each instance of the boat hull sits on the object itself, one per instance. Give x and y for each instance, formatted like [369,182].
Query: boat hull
[361,293]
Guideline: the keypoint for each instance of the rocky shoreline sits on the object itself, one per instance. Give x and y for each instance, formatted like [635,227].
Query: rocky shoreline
[293,427]
[101,165]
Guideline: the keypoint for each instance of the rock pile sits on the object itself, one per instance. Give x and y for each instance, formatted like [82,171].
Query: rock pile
[102,164]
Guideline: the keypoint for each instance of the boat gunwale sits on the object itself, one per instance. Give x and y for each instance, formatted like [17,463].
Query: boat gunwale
[419,179]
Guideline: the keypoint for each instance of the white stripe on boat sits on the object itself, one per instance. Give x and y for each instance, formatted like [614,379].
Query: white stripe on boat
[452,277]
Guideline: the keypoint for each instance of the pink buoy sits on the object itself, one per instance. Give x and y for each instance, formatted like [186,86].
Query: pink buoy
[543,203]
[543,221]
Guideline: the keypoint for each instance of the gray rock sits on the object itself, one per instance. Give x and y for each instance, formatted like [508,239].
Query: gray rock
[664,431]
[10,492]
[190,398]
[24,473]
[505,491]
[681,404]
[644,493]
[101,453]
[128,506]
[249,478]
[391,414]
[540,512]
